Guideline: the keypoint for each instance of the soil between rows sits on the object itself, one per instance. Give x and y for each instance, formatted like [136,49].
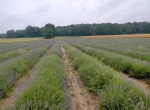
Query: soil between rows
[81,99]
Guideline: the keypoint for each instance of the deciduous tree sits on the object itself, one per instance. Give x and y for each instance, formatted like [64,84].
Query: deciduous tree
[47,33]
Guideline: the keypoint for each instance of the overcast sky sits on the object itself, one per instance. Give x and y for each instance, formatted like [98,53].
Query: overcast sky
[18,14]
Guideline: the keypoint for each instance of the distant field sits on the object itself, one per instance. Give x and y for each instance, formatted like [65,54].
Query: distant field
[120,36]
[19,39]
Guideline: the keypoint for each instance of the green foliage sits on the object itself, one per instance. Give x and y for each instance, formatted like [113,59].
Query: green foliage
[135,48]
[11,54]
[48,33]
[56,48]
[33,31]
[123,96]
[2,35]
[116,93]
[10,34]
[46,92]
[97,78]
[30,31]
[83,30]
[52,27]
[103,29]
[133,67]
[21,33]
[94,75]
[11,70]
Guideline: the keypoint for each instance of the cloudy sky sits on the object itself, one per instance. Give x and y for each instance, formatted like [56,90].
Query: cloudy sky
[18,14]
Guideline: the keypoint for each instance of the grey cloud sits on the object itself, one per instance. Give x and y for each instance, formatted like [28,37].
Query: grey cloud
[17,14]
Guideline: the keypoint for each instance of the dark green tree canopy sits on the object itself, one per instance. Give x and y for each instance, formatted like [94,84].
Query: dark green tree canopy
[52,27]
[21,33]
[33,31]
[30,30]
[3,35]
[47,33]
[103,29]
[82,30]
[11,34]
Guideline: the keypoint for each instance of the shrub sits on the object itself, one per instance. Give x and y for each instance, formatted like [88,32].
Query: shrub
[135,68]
[13,69]
[116,93]
[46,92]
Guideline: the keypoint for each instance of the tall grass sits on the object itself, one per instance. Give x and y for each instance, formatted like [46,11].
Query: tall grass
[116,92]
[46,91]
[11,70]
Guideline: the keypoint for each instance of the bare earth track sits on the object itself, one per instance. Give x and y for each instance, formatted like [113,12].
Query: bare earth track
[81,99]
[8,102]
[141,84]
[23,82]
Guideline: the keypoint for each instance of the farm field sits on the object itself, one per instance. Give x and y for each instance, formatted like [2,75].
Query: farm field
[120,36]
[75,74]
[3,40]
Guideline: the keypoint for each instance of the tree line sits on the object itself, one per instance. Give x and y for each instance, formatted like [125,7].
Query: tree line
[3,35]
[103,29]
[80,30]
[48,31]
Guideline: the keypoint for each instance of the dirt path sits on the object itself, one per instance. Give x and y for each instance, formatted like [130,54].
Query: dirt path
[139,83]
[81,99]
[23,82]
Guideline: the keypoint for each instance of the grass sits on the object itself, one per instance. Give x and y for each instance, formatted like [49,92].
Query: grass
[116,93]
[4,40]
[46,91]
